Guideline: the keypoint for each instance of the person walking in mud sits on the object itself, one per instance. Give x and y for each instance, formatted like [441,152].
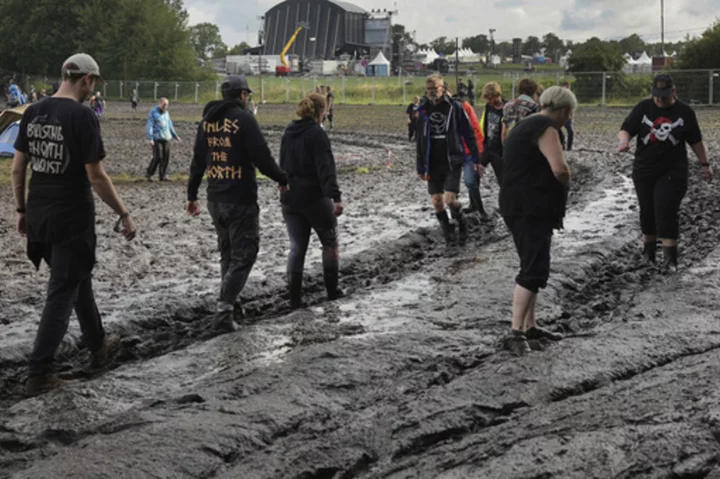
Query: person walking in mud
[568,126]
[663,126]
[472,172]
[134,100]
[442,128]
[98,105]
[523,106]
[60,140]
[329,110]
[471,92]
[491,125]
[160,131]
[229,146]
[411,112]
[533,196]
[313,201]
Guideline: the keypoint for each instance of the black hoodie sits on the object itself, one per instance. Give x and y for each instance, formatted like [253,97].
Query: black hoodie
[229,144]
[306,155]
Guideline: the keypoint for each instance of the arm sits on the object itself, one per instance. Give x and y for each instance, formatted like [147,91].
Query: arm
[549,144]
[198,165]
[19,172]
[172,129]
[259,152]
[503,133]
[104,188]
[630,127]
[325,164]
[419,158]
[150,127]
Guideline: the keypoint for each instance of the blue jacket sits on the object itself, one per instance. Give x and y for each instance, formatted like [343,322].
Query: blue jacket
[15,95]
[159,125]
[459,129]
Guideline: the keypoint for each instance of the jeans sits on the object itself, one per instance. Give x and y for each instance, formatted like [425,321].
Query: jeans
[161,159]
[238,231]
[472,183]
[570,134]
[66,292]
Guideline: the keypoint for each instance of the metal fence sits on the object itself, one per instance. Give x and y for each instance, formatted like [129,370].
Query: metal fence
[594,88]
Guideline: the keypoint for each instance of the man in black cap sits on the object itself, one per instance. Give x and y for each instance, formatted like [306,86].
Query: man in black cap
[229,145]
[60,139]
[663,126]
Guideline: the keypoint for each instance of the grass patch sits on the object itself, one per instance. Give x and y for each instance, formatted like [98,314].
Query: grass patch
[5,171]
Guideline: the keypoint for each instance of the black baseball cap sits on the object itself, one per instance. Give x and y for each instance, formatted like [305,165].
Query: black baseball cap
[235,82]
[663,85]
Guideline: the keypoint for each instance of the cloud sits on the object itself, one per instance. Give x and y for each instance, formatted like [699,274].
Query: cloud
[575,20]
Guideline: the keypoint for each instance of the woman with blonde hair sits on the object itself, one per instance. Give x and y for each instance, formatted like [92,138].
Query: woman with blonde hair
[313,201]
[532,202]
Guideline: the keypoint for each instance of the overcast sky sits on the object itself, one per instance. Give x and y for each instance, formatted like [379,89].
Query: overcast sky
[570,19]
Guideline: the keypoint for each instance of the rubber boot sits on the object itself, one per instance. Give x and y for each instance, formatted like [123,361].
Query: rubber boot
[331,277]
[447,228]
[462,224]
[295,287]
[649,251]
[670,258]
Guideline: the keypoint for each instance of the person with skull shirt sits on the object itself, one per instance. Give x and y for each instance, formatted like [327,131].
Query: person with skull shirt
[663,125]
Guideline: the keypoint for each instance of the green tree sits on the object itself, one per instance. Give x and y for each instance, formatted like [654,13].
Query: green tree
[443,45]
[504,49]
[633,44]
[239,49]
[531,46]
[478,43]
[553,45]
[596,56]
[702,52]
[205,39]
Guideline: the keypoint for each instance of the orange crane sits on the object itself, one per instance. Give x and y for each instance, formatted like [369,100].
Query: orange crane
[281,71]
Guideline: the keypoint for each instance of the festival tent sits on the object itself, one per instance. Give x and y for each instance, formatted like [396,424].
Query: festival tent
[379,67]
[7,140]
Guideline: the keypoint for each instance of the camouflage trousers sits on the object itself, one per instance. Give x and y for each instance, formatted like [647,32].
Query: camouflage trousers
[238,231]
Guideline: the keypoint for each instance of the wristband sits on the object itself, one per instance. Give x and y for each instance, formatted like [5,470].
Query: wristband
[21,210]
[116,228]
[705,164]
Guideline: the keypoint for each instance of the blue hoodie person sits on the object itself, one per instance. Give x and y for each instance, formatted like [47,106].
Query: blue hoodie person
[160,131]
[15,97]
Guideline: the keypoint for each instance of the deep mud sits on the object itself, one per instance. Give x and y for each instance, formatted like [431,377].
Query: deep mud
[404,377]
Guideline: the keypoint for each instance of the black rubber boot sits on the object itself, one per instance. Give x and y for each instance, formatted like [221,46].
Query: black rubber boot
[462,224]
[447,229]
[649,251]
[670,258]
[331,277]
[295,287]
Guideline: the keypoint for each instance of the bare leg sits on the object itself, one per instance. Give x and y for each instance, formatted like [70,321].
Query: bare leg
[530,315]
[523,301]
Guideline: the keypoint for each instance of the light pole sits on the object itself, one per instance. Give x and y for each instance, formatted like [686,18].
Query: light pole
[662,29]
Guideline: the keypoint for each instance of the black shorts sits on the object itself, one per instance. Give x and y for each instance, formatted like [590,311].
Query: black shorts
[532,236]
[448,181]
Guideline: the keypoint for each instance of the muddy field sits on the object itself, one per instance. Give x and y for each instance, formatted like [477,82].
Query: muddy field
[403,378]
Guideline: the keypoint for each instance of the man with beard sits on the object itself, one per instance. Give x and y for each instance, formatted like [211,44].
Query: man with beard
[443,126]
[60,140]
[230,145]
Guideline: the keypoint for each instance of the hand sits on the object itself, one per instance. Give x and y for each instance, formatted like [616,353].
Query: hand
[623,146]
[424,177]
[338,209]
[152,143]
[21,224]
[284,188]
[480,169]
[128,228]
[192,208]
[179,139]
[708,173]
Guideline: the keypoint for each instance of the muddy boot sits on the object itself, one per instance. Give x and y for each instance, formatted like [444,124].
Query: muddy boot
[649,251]
[540,333]
[238,310]
[447,229]
[107,352]
[43,383]
[295,287]
[670,259]
[224,321]
[516,343]
[331,276]
[472,208]
[462,225]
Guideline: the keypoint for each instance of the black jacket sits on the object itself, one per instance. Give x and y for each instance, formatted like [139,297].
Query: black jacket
[229,144]
[306,155]
[459,133]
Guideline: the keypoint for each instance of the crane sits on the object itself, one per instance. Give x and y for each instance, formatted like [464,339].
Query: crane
[285,68]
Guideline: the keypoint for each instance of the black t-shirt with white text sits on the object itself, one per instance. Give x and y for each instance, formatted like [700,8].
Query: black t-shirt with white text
[438,114]
[661,136]
[60,136]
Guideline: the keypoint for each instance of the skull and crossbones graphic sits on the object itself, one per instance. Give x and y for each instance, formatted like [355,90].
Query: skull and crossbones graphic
[661,130]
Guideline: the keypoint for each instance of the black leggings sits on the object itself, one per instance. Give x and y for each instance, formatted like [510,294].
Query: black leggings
[660,198]
[161,159]
[299,221]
